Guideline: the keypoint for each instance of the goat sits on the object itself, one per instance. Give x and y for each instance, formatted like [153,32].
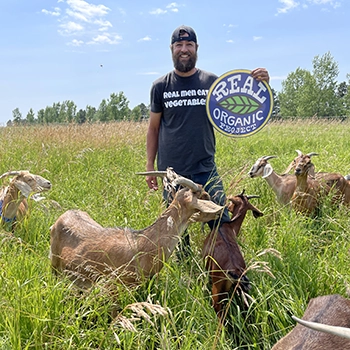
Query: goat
[330,182]
[222,255]
[308,192]
[87,251]
[329,315]
[13,198]
[283,185]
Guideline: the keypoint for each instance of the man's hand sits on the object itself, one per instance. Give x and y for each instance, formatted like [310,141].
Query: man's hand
[261,74]
[152,182]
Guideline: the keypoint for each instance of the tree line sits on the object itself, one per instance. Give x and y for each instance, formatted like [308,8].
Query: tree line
[116,107]
[304,94]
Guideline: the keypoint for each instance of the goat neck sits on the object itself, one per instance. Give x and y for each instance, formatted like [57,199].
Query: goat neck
[12,201]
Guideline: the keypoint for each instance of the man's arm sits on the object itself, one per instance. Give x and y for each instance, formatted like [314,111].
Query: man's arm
[152,147]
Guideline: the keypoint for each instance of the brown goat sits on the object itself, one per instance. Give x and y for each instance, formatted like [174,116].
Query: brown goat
[283,185]
[331,310]
[306,197]
[222,255]
[87,251]
[13,198]
[336,182]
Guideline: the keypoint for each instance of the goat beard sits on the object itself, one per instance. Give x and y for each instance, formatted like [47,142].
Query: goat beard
[185,65]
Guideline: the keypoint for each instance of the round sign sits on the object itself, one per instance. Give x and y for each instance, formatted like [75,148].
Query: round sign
[239,105]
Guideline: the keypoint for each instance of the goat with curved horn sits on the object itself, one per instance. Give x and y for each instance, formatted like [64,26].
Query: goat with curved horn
[283,185]
[86,251]
[325,325]
[341,331]
[13,198]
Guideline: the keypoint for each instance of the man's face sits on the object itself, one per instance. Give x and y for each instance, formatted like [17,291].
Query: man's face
[184,55]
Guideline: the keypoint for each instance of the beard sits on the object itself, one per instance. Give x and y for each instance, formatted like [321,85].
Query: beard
[185,65]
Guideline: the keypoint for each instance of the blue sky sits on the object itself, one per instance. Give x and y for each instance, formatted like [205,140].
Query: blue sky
[83,51]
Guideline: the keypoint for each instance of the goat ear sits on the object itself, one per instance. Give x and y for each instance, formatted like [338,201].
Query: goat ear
[23,187]
[257,213]
[208,206]
[267,171]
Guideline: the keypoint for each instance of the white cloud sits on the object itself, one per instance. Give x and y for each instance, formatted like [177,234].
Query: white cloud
[86,20]
[106,39]
[230,41]
[75,42]
[158,12]
[76,15]
[146,38]
[256,38]
[70,28]
[149,73]
[291,4]
[332,3]
[173,7]
[89,11]
[56,13]
[103,25]
[288,5]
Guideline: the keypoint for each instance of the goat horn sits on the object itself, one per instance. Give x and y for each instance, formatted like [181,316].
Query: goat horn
[336,330]
[300,153]
[10,173]
[174,178]
[312,154]
[253,196]
[188,183]
[154,173]
[269,157]
[169,173]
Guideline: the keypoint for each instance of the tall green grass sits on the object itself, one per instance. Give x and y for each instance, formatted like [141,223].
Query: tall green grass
[290,258]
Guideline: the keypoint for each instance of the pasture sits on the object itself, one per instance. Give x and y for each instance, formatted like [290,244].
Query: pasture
[290,258]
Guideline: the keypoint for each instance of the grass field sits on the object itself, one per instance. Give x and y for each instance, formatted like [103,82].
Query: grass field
[290,258]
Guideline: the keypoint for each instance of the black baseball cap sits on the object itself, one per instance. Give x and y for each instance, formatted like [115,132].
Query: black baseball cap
[180,31]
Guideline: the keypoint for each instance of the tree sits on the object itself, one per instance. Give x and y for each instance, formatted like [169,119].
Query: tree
[17,116]
[276,105]
[71,111]
[41,116]
[80,118]
[136,114]
[325,72]
[30,117]
[118,107]
[346,99]
[297,94]
[306,94]
[102,114]
[90,113]
[144,111]
[341,94]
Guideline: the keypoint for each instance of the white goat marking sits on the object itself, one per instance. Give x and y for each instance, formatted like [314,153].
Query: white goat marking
[170,223]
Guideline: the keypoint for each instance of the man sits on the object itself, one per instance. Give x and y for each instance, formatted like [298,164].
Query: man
[180,134]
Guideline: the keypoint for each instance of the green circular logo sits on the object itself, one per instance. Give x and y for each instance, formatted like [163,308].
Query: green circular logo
[239,105]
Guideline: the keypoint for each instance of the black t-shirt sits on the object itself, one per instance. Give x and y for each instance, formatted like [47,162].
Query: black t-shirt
[186,139]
